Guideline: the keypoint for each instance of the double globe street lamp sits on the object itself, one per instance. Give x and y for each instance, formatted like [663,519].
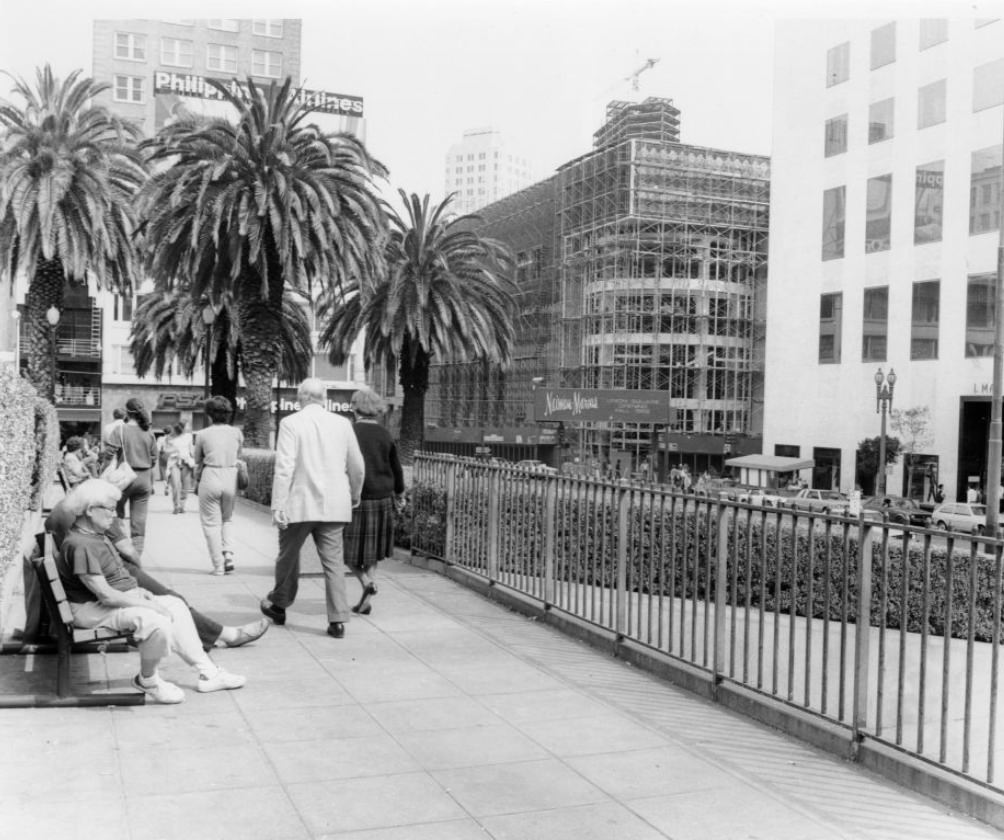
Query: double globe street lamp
[884,384]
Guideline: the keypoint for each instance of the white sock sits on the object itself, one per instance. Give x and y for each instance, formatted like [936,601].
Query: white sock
[150,681]
[208,670]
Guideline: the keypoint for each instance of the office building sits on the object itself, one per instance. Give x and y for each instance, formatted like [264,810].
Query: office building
[885,211]
[641,266]
[484,167]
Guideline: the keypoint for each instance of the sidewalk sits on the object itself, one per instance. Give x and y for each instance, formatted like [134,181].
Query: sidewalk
[441,715]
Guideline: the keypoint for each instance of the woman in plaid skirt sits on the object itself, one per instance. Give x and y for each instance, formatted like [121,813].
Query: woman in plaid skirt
[369,538]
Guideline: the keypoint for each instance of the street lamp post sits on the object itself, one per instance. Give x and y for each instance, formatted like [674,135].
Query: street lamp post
[208,317]
[884,384]
[52,317]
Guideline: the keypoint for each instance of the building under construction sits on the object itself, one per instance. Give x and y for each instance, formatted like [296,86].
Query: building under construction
[642,265]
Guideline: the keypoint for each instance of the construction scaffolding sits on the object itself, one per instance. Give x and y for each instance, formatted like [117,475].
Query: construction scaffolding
[641,265]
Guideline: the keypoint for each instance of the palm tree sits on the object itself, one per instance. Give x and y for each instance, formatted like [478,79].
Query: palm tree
[168,328]
[254,208]
[447,293]
[68,172]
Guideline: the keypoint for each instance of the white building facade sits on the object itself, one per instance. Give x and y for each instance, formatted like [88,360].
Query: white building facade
[885,211]
[484,167]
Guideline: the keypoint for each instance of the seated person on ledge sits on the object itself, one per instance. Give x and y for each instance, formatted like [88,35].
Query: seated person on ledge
[102,593]
[211,632]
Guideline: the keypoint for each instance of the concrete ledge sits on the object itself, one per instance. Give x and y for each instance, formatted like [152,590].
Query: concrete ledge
[958,793]
[963,795]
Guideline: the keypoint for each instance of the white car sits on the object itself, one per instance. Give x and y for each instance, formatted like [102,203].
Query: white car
[960,516]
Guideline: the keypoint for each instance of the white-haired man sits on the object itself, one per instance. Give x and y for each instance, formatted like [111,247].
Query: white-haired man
[318,480]
[102,593]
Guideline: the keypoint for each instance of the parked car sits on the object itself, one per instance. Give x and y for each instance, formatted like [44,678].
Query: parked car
[819,501]
[900,510]
[762,497]
[536,466]
[960,516]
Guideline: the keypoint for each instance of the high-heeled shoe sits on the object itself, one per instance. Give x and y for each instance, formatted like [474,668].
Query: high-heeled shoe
[363,607]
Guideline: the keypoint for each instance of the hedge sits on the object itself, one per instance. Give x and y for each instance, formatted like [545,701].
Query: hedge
[664,544]
[28,453]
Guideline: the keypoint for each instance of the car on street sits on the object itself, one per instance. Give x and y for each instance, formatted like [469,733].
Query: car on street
[819,501]
[536,466]
[960,516]
[899,510]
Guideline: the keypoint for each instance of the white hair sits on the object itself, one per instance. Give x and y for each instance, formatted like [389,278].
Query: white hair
[93,492]
[311,391]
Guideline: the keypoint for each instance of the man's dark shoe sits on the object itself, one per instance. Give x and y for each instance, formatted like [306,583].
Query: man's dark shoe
[336,629]
[277,614]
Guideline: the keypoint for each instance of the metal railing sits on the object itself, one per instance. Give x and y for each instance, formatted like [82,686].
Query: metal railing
[770,599]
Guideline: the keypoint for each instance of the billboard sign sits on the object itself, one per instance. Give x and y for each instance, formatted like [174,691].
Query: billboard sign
[585,405]
[189,94]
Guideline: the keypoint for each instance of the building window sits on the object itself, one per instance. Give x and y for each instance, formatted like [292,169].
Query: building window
[787,450]
[984,201]
[875,325]
[880,120]
[833,222]
[266,63]
[122,360]
[988,85]
[931,104]
[130,47]
[122,307]
[221,57]
[836,136]
[128,89]
[929,202]
[933,31]
[838,64]
[175,52]
[225,24]
[830,321]
[878,214]
[268,28]
[980,315]
[883,45]
[926,317]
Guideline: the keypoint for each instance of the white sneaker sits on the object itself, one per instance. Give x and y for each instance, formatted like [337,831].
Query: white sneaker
[161,691]
[221,680]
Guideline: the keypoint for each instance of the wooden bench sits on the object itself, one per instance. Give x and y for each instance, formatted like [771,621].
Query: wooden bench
[68,639]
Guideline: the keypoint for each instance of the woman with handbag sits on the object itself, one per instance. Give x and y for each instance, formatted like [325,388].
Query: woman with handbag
[217,450]
[133,444]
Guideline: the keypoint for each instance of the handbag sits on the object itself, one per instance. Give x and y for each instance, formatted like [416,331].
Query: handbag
[242,475]
[119,472]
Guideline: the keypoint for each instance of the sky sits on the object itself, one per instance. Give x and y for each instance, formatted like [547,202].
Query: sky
[540,71]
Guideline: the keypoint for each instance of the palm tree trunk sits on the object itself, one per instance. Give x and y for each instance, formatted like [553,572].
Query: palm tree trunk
[45,291]
[414,377]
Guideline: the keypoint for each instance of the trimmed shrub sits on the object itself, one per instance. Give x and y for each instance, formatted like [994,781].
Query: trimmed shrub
[261,469]
[18,442]
[46,450]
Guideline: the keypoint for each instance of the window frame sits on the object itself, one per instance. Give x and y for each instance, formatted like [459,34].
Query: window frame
[254,53]
[879,42]
[830,326]
[942,111]
[269,23]
[838,64]
[875,329]
[873,111]
[878,224]
[839,212]
[833,148]
[920,327]
[221,68]
[931,28]
[133,39]
[141,88]
[221,24]
[925,192]
[178,42]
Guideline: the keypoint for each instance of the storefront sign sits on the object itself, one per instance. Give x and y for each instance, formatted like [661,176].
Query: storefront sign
[584,405]
[193,86]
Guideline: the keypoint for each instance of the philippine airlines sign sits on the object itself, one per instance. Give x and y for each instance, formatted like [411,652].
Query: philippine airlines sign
[584,405]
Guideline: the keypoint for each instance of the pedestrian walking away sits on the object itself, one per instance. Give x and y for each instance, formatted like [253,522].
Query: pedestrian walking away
[180,465]
[369,537]
[134,443]
[317,482]
[217,449]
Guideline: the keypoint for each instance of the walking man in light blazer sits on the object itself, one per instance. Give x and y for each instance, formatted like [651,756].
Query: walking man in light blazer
[319,472]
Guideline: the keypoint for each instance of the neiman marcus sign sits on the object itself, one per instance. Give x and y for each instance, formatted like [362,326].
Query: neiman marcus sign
[589,405]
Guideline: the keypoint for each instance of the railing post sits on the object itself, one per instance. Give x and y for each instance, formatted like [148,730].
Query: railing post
[494,491]
[721,588]
[862,635]
[451,505]
[550,538]
[623,512]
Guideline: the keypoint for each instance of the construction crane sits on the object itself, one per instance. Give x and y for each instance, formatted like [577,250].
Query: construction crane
[633,77]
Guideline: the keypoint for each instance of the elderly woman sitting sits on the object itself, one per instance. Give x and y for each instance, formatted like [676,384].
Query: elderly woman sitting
[102,593]
[76,461]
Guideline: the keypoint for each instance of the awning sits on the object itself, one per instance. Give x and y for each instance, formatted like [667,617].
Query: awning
[770,463]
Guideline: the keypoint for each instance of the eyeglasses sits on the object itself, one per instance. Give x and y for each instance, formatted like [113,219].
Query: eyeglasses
[104,507]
